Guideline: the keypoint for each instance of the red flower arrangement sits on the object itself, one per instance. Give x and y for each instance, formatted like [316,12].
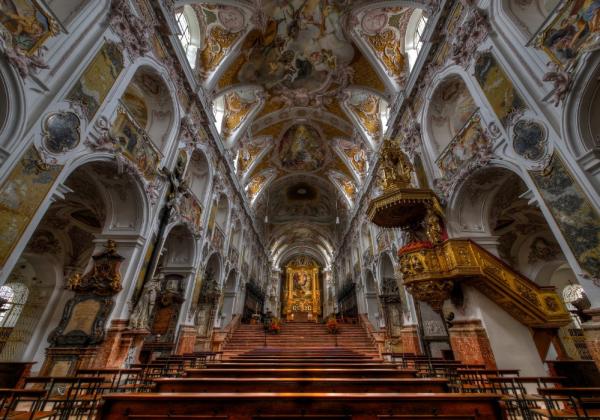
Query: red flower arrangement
[332,326]
[415,246]
[275,326]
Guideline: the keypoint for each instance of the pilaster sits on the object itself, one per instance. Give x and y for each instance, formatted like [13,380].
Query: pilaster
[471,344]
[410,340]
[187,339]
[120,344]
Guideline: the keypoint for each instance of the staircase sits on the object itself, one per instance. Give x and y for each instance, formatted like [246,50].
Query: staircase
[301,336]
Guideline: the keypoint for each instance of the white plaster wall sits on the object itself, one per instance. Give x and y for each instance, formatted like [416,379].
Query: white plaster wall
[511,341]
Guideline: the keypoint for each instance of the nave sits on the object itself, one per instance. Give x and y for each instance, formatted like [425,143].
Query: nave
[257,376]
[350,207]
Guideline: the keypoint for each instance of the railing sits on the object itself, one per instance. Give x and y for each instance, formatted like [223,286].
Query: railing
[434,269]
[221,336]
[377,337]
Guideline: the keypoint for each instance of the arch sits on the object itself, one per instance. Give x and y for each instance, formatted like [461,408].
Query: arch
[229,298]
[449,109]
[179,249]
[581,110]
[372,300]
[528,15]
[386,266]
[67,10]
[495,200]
[12,108]
[222,212]
[198,175]
[208,296]
[212,269]
[124,194]
[149,102]
[99,202]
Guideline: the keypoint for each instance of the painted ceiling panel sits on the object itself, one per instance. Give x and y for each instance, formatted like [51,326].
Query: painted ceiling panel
[321,73]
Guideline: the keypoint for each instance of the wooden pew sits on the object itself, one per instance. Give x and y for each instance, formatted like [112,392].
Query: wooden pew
[298,365]
[297,358]
[301,373]
[310,385]
[249,406]
[569,403]
[13,374]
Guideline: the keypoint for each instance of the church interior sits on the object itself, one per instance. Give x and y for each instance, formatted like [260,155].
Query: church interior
[300,209]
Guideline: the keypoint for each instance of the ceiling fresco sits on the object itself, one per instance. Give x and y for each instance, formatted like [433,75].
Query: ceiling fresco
[300,91]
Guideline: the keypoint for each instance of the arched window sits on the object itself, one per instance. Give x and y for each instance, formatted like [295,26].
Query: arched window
[219,112]
[14,296]
[414,34]
[188,33]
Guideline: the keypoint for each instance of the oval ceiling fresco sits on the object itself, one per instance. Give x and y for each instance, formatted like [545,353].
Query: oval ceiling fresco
[301,149]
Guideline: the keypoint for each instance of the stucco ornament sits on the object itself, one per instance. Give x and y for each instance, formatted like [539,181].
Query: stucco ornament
[25,64]
[561,83]
[135,33]
[410,137]
[469,36]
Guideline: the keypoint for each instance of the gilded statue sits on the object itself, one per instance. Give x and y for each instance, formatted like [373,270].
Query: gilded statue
[140,317]
[396,169]
[433,227]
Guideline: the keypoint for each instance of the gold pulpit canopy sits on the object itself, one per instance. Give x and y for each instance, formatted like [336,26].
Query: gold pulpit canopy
[400,205]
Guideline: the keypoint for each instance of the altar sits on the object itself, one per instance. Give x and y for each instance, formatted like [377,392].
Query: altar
[302,292]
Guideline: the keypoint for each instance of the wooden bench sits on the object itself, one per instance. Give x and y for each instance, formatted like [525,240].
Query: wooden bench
[23,404]
[298,365]
[295,359]
[115,380]
[68,395]
[249,406]
[569,403]
[301,373]
[310,385]
[13,374]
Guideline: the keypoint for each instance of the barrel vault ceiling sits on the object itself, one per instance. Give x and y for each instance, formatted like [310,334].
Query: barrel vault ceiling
[300,91]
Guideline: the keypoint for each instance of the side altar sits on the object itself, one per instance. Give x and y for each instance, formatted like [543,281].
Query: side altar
[302,290]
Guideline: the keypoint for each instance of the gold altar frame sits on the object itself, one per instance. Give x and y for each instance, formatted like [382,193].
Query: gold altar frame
[295,304]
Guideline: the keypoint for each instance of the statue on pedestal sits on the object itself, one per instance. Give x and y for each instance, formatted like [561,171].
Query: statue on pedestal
[140,317]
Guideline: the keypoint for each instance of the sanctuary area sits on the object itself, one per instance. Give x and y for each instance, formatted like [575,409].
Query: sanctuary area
[300,209]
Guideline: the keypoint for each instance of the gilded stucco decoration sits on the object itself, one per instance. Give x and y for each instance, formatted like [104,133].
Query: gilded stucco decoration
[384,29]
[355,152]
[223,26]
[238,106]
[430,273]
[368,108]
[25,26]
